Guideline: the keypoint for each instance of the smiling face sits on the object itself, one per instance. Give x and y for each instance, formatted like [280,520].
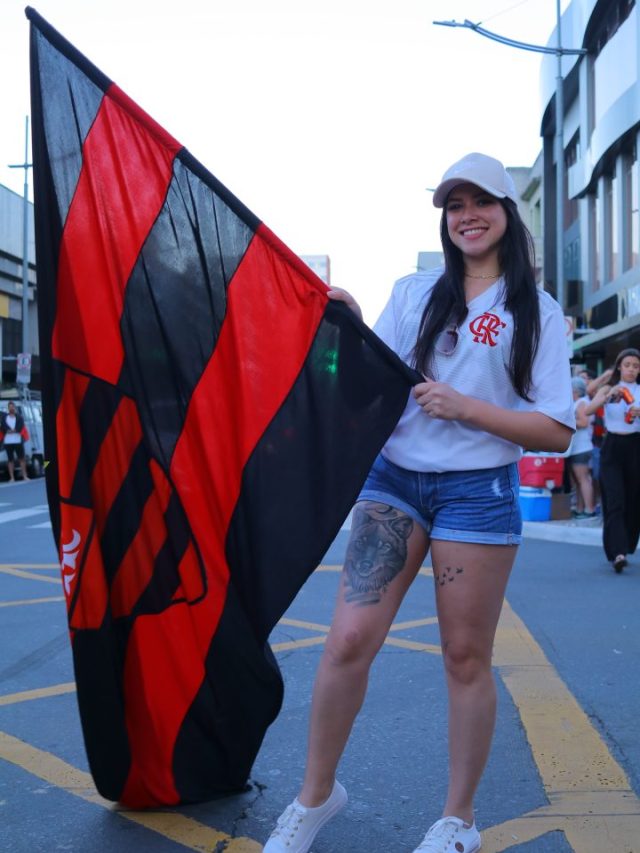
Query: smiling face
[629,368]
[476,222]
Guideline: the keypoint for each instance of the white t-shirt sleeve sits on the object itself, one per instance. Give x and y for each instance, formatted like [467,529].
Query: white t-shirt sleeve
[386,325]
[399,323]
[551,375]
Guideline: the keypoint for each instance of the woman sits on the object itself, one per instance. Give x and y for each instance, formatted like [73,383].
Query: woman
[620,458]
[13,434]
[580,450]
[492,350]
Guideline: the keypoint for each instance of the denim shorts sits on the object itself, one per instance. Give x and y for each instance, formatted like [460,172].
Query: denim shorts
[460,506]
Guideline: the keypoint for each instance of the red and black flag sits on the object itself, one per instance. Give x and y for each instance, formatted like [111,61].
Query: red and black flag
[210,416]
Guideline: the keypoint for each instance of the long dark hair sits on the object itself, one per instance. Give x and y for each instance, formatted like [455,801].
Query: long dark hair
[447,302]
[615,376]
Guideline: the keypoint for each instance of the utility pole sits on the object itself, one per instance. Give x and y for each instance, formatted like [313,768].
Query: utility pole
[25,240]
[560,294]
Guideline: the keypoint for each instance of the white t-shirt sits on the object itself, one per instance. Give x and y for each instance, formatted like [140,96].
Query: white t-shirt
[478,367]
[581,441]
[12,437]
[614,412]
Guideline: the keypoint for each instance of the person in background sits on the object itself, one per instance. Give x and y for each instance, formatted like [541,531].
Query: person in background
[598,431]
[491,347]
[620,457]
[578,455]
[14,433]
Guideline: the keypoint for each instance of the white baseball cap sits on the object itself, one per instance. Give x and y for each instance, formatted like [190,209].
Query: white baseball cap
[485,172]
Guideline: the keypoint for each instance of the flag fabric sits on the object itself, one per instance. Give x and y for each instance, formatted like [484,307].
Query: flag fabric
[210,416]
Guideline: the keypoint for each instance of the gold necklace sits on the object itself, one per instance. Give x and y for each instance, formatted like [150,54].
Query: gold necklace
[493,275]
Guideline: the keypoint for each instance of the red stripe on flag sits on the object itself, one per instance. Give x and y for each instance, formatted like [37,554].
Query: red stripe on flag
[83,577]
[272,316]
[127,167]
[114,459]
[68,435]
[271,320]
[136,569]
[191,579]
[154,714]
[154,129]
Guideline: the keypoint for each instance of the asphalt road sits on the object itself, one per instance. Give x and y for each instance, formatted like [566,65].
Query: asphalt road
[564,773]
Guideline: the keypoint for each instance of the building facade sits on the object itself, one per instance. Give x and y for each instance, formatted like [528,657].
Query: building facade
[11,252]
[600,140]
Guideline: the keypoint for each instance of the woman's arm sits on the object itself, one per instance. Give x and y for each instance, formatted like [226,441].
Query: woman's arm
[599,381]
[531,430]
[599,399]
[582,416]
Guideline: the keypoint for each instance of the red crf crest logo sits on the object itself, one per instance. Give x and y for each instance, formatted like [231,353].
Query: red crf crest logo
[486,328]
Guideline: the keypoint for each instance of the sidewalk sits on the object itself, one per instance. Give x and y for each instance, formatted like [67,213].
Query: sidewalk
[570,531]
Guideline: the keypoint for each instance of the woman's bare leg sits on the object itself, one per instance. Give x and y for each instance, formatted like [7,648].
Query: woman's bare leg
[385,551]
[582,476]
[470,582]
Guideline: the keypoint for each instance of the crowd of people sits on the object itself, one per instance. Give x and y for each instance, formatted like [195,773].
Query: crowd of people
[603,459]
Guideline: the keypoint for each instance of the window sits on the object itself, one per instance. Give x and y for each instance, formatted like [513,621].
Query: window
[571,156]
[612,221]
[632,214]
[617,13]
[595,204]
[11,337]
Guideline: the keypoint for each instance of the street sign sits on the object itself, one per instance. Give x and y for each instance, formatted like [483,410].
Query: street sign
[23,369]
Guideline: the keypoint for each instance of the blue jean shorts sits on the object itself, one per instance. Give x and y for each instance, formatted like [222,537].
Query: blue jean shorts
[460,506]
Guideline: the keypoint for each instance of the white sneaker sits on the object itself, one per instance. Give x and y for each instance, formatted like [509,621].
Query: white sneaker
[298,825]
[450,835]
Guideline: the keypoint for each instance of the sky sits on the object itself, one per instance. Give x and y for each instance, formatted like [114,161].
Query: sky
[329,119]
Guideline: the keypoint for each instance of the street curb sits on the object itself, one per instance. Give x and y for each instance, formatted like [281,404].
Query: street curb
[558,531]
[571,533]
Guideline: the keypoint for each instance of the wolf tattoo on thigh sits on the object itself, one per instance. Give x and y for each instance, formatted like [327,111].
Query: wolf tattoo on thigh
[377,551]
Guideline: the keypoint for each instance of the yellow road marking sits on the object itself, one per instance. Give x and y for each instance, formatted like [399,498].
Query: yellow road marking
[414,623]
[298,644]
[590,798]
[31,601]
[21,573]
[177,827]
[299,623]
[413,646]
[40,693]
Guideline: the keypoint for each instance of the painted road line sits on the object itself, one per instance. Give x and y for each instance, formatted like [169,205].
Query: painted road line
[308,626]
[305,643]
[190,833]
[20,573]
[590,796]
[32,601]
[45,524]
[16,514]
[39,693]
